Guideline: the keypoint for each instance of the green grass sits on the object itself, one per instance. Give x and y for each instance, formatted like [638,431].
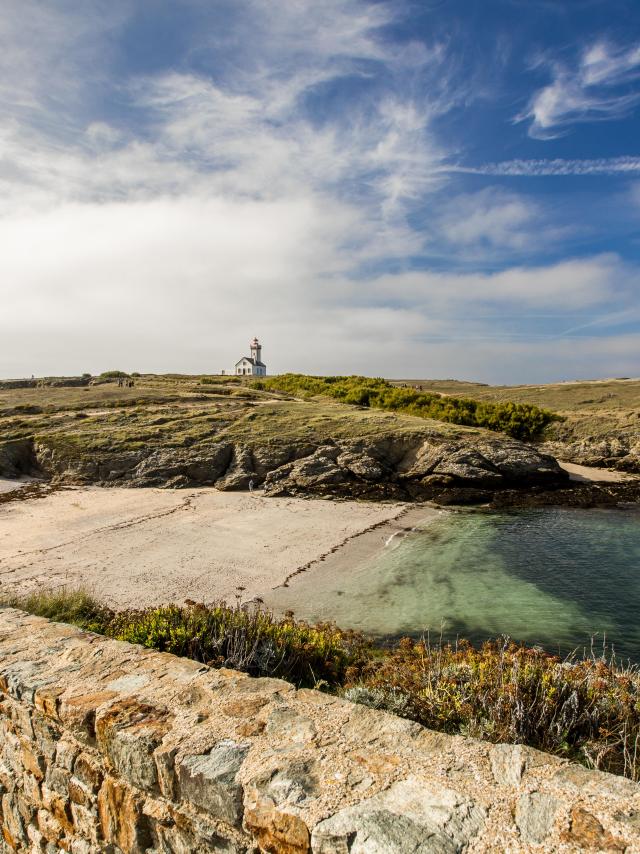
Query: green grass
[519,420]
[64,606]
[589,409]
[94,423]
[587,710]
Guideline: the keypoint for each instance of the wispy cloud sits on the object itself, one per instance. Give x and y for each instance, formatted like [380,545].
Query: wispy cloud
[268,178]
[556,166]
[598,88]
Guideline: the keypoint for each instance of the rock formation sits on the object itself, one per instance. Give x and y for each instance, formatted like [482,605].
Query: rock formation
[405,466]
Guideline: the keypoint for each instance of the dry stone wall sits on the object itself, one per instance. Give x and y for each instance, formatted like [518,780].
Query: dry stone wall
[108,747]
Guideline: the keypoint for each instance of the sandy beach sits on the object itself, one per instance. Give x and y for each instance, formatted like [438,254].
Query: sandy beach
[588,474]
[12,485]
[137,547]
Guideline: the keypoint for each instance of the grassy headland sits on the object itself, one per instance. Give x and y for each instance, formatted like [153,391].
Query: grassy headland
[590,409]
[587,710]
[519,420]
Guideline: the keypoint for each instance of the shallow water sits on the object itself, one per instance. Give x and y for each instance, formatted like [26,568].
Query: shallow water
[549,576]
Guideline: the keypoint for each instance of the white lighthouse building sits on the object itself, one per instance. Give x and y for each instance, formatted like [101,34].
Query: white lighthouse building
[252,366]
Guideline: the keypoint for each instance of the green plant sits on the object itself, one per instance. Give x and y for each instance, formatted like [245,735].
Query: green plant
[519,420]
[587,710]
[250,640]
[108,375]
[77,607]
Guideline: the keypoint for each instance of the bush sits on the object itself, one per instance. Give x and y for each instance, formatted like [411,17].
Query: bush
[253,641]
[113,375]
[587,710]
[519,420]
[220,379]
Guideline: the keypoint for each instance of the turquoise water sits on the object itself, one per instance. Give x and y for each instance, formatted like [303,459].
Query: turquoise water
[548,576]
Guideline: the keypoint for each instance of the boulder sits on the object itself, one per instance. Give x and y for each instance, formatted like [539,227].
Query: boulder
[199,465]
[241,470]
[410,816]
[17,458]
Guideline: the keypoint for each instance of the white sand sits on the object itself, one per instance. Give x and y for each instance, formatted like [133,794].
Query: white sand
[587,474]
[135,547]
[10,485]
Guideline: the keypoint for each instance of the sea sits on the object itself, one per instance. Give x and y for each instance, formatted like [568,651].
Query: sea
[567,580]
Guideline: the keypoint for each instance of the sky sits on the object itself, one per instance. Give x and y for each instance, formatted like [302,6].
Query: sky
[414,188]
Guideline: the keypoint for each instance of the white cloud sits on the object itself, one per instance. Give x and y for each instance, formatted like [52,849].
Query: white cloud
[556,166]
[594,90]
[222,207]
[568,286]
[491,219]
[178,284]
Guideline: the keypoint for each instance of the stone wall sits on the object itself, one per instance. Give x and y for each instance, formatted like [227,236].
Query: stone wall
[108,747]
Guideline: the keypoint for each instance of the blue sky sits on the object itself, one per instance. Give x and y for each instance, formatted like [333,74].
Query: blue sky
[445,188]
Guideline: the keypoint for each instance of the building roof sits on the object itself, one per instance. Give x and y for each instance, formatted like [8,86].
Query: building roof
[252,361]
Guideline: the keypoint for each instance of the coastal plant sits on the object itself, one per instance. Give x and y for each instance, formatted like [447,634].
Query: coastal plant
[252,640]
[587,710]
[519,420]
[77,607]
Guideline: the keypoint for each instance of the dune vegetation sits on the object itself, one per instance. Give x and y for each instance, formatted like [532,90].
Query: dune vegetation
[587,710]
[523,421]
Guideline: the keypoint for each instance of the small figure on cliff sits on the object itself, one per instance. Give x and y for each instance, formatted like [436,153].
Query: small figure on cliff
[251,485]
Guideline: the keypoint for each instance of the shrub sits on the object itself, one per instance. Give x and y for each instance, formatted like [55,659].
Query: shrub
[587,710]
[113,375]
[519,420]
[253,641]
[221,378]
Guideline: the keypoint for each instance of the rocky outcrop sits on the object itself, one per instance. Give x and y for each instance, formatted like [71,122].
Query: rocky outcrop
[17,458]
[52,382]
[107,747]
[422,469]
[619,451]
[402,466]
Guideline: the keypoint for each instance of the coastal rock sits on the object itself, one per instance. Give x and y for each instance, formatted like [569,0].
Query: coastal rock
[402,466]
[240,472]
[469,466]
[202,465]
[210,780]
[16,458]
[410,816]
[362,465]
[317,472]
[620,451]
[535,816]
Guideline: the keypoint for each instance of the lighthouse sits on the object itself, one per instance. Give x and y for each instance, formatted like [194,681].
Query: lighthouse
[256,351]
[252,366]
